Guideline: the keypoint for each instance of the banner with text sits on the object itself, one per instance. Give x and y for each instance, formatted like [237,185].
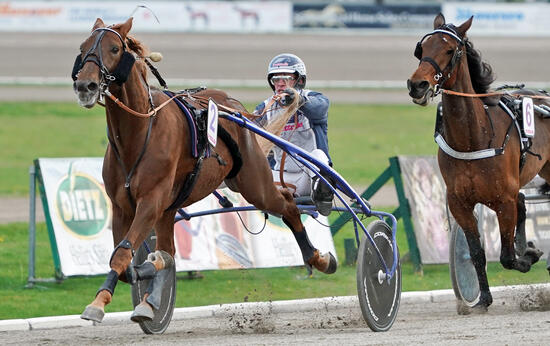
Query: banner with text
[519,19]
[364,16]
[79,212]
[159,16]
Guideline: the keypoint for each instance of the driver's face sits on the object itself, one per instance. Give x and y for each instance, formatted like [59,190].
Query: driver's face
[281,81]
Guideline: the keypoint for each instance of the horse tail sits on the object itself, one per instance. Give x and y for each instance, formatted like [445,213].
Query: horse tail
[276,127]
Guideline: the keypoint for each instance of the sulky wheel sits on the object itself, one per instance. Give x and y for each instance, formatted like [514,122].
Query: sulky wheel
[462,270]
[163,315]
[378,298]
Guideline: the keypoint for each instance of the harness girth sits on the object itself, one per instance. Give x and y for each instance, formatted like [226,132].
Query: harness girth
[525,143]
[191,178]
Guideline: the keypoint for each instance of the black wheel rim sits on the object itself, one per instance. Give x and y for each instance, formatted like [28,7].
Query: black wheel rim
[379,299]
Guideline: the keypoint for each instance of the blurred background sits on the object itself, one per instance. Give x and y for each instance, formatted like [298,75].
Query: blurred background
[355,51]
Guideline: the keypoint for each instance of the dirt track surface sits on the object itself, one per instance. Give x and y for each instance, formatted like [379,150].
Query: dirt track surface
[419,321]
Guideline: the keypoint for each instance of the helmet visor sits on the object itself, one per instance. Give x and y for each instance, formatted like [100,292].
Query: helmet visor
[286,79]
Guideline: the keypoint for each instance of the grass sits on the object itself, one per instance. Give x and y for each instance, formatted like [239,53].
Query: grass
[32,130]
[361,137]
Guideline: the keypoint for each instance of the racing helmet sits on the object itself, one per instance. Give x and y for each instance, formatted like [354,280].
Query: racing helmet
[287,63]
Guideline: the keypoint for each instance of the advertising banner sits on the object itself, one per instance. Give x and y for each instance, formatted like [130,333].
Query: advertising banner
[425,189]
[79,213]
[521,19]
[362,16]
[426,192]
[159,16]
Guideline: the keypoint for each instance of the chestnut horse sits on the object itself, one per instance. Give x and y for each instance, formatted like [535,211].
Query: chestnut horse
[148,162]
[472,127]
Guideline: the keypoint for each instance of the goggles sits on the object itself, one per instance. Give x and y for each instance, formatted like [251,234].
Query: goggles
[276,79]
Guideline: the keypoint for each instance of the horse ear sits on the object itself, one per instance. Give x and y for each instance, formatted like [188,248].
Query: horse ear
[125,27]
[439,20]
[98,24]
[465,26]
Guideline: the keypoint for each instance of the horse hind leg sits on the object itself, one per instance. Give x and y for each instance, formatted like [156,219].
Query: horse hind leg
[156,269]
[152,269]
[265,196]
[255,182]
[520,241]
[527,254]
[325,263]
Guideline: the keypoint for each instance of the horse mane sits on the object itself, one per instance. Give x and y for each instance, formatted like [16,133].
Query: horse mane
[481,73]
[136,46]
[141,51]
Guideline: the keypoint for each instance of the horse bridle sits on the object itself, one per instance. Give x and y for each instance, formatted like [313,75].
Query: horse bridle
[94,54]
[441,75]
[120,76]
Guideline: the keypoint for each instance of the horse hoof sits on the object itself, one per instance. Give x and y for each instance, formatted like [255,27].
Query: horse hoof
[534,254]
[480,309]
[325,263]
[93,313]
[142,312]
[163,256]
[332,265]
[462,309]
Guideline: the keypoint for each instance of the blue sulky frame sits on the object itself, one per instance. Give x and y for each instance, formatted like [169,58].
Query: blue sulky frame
[318,168]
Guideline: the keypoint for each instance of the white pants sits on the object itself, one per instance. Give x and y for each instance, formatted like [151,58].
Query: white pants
[301,179]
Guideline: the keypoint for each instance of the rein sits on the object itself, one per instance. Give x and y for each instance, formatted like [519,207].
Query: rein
[152,112]
[496,93]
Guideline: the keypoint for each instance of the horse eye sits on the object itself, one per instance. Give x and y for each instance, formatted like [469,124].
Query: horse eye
[114,50]
[450,51]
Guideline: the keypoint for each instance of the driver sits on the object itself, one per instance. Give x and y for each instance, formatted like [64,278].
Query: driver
[306,129]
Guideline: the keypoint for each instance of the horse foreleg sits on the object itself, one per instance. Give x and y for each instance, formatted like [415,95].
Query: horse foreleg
[465,218]
[95,311]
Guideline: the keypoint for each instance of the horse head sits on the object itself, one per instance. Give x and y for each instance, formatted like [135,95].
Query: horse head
[104,58]
[440,53]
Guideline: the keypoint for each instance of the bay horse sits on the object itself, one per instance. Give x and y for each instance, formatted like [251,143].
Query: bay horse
[148,162]
[472,126]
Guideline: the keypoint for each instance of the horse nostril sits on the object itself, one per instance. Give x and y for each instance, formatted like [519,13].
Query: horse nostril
[423,85]
[80,86]
[92,86]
